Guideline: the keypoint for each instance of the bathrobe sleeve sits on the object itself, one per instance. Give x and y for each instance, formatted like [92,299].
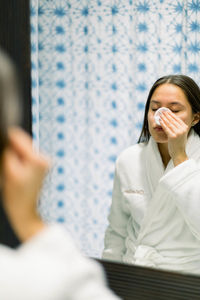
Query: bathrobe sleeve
[114,241]
[49,267]
[183,184]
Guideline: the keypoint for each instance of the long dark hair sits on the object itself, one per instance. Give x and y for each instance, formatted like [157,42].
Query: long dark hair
[191,91]
[9,115]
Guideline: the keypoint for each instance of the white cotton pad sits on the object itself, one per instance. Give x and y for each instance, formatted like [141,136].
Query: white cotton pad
[158,113]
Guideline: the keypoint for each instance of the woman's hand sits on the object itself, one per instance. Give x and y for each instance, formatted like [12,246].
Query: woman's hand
[23,173]
[177,132]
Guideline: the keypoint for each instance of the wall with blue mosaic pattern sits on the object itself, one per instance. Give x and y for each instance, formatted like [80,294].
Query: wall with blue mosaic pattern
[93,63]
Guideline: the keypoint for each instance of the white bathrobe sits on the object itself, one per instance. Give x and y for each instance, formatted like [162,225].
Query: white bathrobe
[49,267]
[155,213]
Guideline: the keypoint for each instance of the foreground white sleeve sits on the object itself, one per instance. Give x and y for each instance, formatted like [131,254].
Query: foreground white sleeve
[116,233]
[49,267]
[183,184]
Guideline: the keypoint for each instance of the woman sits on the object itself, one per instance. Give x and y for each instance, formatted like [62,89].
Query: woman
[47,264]
[154,218]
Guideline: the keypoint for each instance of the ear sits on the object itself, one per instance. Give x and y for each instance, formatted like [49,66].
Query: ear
[196,118]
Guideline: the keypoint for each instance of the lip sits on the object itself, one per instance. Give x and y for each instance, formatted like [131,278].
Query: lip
[158,128]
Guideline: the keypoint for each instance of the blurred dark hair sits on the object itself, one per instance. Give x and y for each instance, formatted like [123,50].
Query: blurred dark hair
[191,91]
[9,98]
[9,115]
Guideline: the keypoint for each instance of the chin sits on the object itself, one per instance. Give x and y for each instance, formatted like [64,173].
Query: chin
[160,139]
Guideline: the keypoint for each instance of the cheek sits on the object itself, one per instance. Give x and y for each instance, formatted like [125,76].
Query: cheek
[150,118]
[187,119]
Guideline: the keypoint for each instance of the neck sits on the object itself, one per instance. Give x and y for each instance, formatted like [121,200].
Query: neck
[163,149]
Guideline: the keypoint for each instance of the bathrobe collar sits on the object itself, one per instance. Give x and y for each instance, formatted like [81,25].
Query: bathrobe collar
[154,164]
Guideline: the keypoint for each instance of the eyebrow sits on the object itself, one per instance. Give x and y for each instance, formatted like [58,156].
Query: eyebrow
[171,103]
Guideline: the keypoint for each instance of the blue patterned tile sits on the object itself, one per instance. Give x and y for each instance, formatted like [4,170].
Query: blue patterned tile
[92,65]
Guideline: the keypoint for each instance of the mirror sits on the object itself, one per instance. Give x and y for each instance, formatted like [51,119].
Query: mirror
[127,281]
[92,67]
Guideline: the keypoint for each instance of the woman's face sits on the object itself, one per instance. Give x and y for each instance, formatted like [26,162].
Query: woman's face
[170,96]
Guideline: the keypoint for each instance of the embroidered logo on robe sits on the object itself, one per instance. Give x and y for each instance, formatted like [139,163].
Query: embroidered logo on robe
[140,192]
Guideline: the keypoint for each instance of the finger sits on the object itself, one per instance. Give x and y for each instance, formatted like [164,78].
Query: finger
[11,164]
[21,143]
[171,115]
[166,129]
[171,120]
[18,172]
[177,122]
[170,129]
[168,124]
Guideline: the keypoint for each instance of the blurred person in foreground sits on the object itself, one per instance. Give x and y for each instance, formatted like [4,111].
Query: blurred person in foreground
[46,265]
